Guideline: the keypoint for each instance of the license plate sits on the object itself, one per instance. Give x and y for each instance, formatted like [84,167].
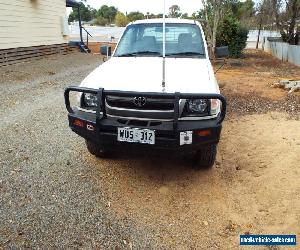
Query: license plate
[144,136]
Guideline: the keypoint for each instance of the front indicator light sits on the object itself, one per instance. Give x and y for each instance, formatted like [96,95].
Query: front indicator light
[204,133]
[215,105]
[78,123]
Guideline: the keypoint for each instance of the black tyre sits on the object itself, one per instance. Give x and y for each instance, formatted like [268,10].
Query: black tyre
[96,149]
[206,156]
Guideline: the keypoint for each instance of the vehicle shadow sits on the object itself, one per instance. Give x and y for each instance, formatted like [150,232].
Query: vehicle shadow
[158,167]
[161,158]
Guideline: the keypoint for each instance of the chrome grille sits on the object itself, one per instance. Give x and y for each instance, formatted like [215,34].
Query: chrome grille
[150,108]
[130,103]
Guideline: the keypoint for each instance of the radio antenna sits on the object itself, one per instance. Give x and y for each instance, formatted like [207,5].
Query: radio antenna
[164,50]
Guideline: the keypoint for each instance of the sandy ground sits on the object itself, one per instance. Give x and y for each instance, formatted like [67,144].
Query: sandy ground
[54,194]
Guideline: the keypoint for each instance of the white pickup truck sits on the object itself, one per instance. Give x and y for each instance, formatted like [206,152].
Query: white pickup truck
[158,90]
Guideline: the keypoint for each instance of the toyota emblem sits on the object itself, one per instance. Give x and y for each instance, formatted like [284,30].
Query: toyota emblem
[139,101]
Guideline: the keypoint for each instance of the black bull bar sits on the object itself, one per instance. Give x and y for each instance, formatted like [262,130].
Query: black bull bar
[101,93]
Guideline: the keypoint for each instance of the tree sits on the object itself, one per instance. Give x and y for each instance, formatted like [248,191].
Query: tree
[174,11]
[232,34]
[133,16]
[107,12]
[185,15]
[221,16]
[263,18]
[286,15]
[151,16]
[86,11]
[243,11]
[121,20]
[212,13]
[265,14]
[105,15]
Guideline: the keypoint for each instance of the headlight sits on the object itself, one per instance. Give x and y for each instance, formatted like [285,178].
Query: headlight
[197,106]
[89,100]
[201,107]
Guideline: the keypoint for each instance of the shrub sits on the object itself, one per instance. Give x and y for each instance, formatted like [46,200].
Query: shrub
[101,21]
[121,20]
[133,16]
[232,34]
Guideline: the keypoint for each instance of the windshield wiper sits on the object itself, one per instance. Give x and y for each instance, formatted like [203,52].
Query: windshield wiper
[187,53]
[139,53]
[127,55]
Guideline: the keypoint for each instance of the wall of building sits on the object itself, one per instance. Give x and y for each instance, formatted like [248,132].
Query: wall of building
[253,35]
[25,23]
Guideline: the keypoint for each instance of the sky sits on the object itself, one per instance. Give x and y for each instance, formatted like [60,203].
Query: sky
[152,6]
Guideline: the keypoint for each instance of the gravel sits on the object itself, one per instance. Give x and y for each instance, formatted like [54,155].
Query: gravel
[249,104]
[49,198]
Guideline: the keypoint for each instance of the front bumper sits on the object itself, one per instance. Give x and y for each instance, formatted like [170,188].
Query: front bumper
[103,129]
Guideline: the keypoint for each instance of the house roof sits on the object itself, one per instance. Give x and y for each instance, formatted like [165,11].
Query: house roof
[72,3]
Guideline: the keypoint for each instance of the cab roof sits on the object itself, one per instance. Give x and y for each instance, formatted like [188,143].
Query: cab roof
[168,20]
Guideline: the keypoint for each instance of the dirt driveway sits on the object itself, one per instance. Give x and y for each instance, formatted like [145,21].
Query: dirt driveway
[54,194]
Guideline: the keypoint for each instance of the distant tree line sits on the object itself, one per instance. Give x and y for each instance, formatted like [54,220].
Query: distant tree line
[108,15]
[103,16]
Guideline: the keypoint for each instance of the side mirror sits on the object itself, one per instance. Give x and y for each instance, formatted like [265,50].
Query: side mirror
[222,52]
[105,50]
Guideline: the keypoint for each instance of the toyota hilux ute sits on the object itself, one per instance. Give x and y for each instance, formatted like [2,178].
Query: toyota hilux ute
[158,90]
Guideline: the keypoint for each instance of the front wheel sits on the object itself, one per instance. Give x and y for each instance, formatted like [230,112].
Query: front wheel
[206,156]
[96,149]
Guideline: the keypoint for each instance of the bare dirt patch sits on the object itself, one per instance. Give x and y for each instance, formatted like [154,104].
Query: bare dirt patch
[246,83]
[253,187]
[255,73]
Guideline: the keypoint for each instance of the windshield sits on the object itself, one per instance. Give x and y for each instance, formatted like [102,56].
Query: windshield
[182,40]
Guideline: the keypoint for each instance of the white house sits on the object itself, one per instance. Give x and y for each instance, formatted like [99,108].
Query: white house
[33,28]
